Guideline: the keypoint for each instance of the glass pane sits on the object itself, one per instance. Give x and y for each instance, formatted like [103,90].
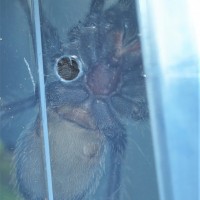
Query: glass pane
[97,109]
[100,139]
[19,129]
[170,38]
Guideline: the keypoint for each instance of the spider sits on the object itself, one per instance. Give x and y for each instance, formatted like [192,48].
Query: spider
[93,81]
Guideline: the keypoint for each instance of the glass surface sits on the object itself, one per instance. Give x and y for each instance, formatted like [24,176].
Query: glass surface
[98,118]
[18,99]
[170,42]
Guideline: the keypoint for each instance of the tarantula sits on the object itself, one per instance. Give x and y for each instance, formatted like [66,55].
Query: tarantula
[92,81]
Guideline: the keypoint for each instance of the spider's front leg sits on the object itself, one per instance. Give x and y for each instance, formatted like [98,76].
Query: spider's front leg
[108,124]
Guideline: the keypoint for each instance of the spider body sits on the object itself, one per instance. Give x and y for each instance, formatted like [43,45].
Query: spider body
[85,108]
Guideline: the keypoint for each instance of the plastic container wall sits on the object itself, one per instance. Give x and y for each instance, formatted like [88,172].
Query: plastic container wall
[170,41]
